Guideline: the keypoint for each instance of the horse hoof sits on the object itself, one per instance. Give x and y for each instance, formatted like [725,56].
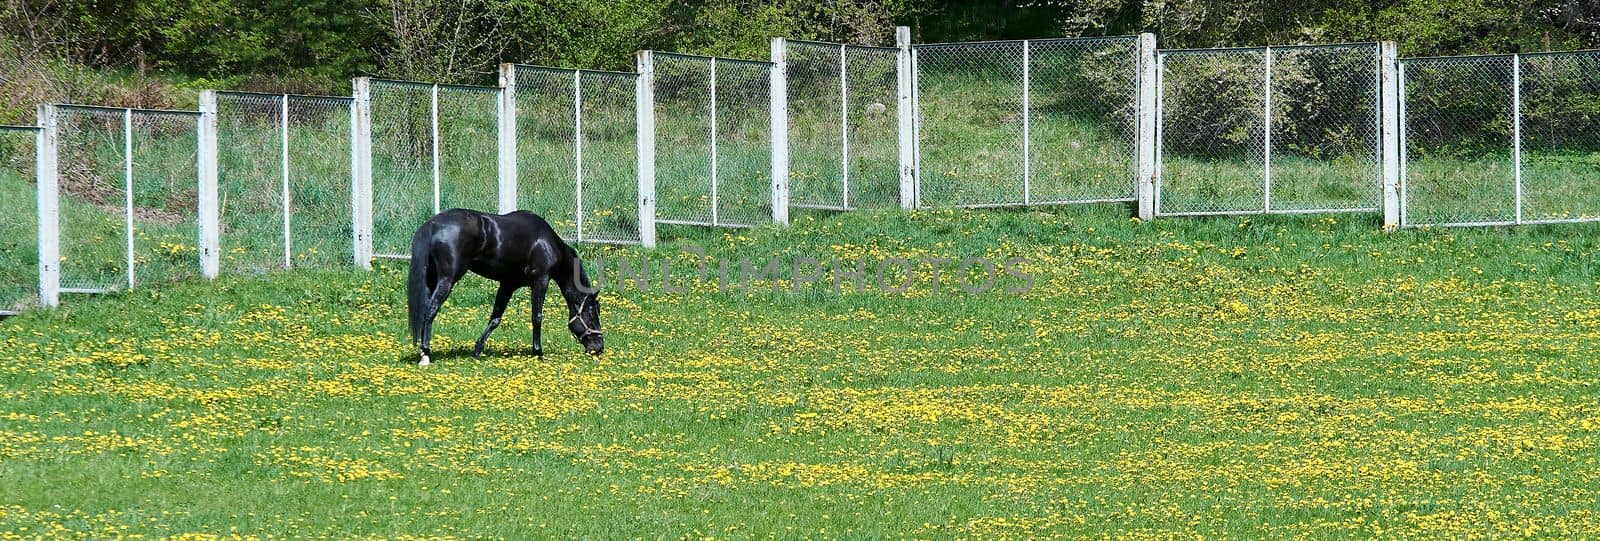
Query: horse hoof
[424,361]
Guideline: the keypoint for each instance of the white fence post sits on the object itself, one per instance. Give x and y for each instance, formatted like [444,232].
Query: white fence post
[577,150]
[713,131]
[779,113]
[361,170]
[288,205]
[1148,87]
[1027,124]
[209,215]
[644,111]
[433,126]
[904,116]
[46,176]
[127,192]
[1389,109]
[844,124]
[1266,134]
[1516,129]
[507,126]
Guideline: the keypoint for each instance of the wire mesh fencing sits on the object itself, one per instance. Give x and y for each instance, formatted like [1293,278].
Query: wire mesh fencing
[1326,124]
[970,138]
[608,183]
[1460,141]
[1560,145]
[1213,131]
[842,122]
[468,159]
[433,148]
[713,122]
[576,148]
[1269,130]
[284,177]
[19,233]
[128,193]
[1501,140]
[547,127]
[1034,122]
[403,159]
[1084,109]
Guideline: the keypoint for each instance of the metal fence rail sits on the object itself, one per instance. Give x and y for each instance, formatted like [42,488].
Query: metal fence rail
[576,138]
[1034,122]
[715,116]
[1501,140]
[842,125]
[284,178]
[1275,130]
[19,232]
[433,147]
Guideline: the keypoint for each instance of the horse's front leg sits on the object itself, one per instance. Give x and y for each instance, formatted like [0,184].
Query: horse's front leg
[501,299]
[541,285]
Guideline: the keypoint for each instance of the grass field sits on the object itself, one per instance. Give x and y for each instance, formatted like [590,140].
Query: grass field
[1228,377]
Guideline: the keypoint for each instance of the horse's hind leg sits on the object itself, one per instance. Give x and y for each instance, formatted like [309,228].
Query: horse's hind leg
[441,291]
[501,299]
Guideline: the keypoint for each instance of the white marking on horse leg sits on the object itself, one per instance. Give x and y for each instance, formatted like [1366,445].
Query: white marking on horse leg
[424,361]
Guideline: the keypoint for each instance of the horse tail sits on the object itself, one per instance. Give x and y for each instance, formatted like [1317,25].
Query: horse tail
[419,298]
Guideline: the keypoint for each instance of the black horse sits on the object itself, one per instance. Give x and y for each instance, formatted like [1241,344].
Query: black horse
[518,250]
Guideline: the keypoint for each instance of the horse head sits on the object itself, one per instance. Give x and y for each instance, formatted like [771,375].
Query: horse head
[585,324]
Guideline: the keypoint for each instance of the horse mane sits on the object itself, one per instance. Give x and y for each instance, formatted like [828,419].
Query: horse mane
[572,261]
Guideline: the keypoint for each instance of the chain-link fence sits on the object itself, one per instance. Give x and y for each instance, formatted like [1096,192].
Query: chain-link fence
[403,158]
[128,183]
[1269,130]
[1501,140]
[468,159]
[1035,122]
[283,174]
[19,232]
[547,156]
[608,185]
[843,149]
[1460,164]
[576,144]
[433,148]
[713,123]
[970,110]
[1560,153]
[1213,131]
[1084,109]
